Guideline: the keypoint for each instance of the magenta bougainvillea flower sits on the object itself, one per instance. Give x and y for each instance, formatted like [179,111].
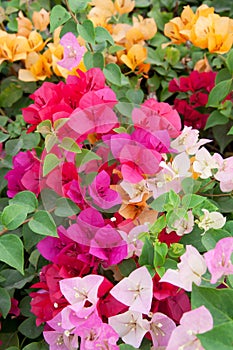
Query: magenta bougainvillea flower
[194,322]
[73,52]
[218,260]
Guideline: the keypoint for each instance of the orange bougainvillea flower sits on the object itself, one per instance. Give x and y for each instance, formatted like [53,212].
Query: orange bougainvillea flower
[119,32]
[101,12]
[220,39]
[173,29]
[146,26]
[12,47]
[37,68]
[135,56]
[24,25]
[36,42]
[134,36]
[40,19]
[124,6]
[203,65]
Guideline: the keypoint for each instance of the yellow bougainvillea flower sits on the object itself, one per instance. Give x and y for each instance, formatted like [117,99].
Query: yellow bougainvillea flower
[35,41]
[173,29]
[204,11]
[135,56]
[40,19]
[24,25]
[37,68]
[146,26]
[220,39]
[134,36]
[203,65]
[124,6]
[12,47]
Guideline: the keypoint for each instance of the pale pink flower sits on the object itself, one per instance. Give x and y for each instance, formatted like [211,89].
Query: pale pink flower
[188,141]
[73,52]
[134,244]
[224,175]
[135,191]
[161,328]
[193,322]
[190,269]
[184,225]
[136,290]
[210,220]
[78,291]
[218,260]
[130,326]
[204,163]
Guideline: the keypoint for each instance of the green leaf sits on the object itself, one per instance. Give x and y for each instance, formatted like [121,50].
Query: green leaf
[27,199]
[147,255]
[192,200]
[160,252]
[70,145]
[44,127]
[43,224]
[77,6]
[87,31]
[85,156]
[13,216]
[159,202]
[229,61]
[93,60]
[112,73]
[211,237]
[219,92]
[29,328]
[101,34]
[158,225]
[216,118]
[190,185]
[8,339]
[135,96]
[51,161]
[218,301]
[11,94]
[114,48]
[11,251]
[5,302]
[30,140]
[65,207]
[127,266]
[12,147]
[15,280]
[220,135]
[220,337]
[58,16]
[3,137]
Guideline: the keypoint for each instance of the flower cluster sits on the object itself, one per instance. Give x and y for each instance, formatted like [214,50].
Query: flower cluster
[204,29]
[130,37]
[196,87]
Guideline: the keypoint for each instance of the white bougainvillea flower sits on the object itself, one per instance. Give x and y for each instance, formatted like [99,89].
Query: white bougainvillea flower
[204,163]
[194,322]
[136,291]
[183,226]
[210,220]
[188,141]
[130,326]
[190,269]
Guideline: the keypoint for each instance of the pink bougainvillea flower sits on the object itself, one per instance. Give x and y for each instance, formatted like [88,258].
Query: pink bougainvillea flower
[194,322]
[81,293]
[136,290]
[24,175]
[61,340]
[132,238]
[190,269]
[224,174]
[218,260]
[130,326]
[101,193]
[161,328]
[73,52]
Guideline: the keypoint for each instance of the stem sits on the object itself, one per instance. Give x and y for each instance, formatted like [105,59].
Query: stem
[208,183]
[215,195]
[71,13]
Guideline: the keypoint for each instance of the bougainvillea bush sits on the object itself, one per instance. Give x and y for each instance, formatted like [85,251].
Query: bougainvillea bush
[116,177]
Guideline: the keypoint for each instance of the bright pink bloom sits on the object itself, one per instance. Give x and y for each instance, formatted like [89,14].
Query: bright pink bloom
[101,193]
[73,52]
[24,175]
[136,290]
[218,260]
[194,322]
